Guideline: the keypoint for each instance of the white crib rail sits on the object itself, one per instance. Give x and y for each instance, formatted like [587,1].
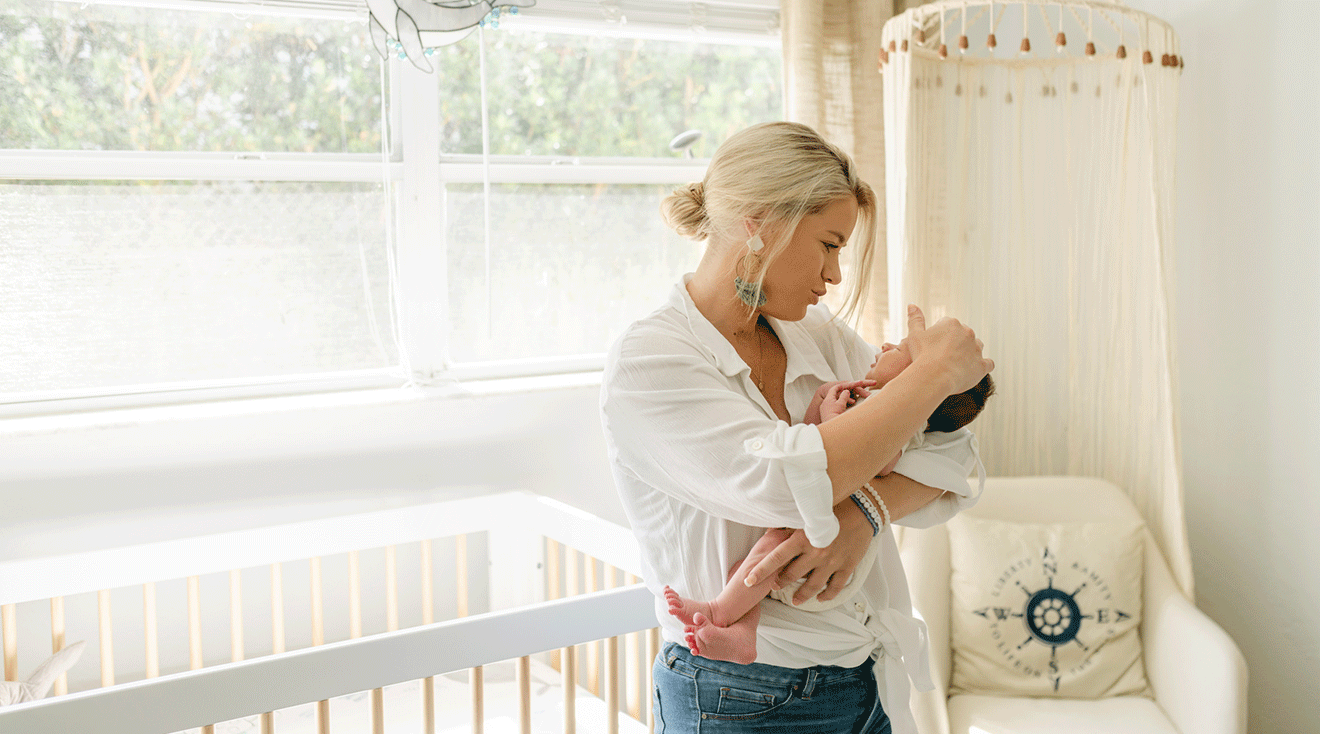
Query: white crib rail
[517,525]
[225,692]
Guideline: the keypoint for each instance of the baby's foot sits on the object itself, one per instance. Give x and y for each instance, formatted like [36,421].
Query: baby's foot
[735,643]
[685,609]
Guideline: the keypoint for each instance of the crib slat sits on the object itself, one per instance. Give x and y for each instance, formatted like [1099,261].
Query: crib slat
[568,677]
[235,616]
[57,640]
[149,629]
[318,613]
[194,623]
[572,587]
[195,661]
[392,625]
[476,676]
[612,685]
[377,711]
[391,588]
[652,650]
[593,647]
[354,595]
[632,658]
[276,631]
[461,575]
[524,677]
[318,638]
[276,608]
[552,586]
[9,620]
[428,617]
[477,682]
[107,639]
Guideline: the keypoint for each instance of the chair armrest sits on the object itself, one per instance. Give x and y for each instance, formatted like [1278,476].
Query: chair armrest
[1195,669]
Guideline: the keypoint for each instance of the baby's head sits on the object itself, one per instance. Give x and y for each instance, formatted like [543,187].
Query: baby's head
[955,412]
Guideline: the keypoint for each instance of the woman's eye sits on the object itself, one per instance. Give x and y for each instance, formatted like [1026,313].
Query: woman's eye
[830,245]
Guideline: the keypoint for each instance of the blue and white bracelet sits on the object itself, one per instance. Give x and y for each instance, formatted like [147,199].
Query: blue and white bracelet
[864,504]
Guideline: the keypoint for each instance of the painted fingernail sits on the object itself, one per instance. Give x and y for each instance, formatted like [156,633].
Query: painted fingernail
[750,580]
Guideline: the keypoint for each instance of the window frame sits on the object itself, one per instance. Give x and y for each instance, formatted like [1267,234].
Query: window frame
[413,182]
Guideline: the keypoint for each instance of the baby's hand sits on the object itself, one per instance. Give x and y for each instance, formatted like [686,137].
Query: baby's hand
[839,395]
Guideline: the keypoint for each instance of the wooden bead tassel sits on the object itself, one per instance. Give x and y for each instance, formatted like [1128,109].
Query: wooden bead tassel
[962,43]
[1061,40]
[990,41]
[1147,57]
[1121,52]
[1090,48]
[944,51]
[1026,46]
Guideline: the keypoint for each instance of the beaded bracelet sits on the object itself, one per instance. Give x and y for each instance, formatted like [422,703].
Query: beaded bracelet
[863,503]
[876,496]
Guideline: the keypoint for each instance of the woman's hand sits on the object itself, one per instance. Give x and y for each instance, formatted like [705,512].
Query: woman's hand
[828,569]
[949,347]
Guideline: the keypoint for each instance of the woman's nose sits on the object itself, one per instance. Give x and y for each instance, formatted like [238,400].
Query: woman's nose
[832,274]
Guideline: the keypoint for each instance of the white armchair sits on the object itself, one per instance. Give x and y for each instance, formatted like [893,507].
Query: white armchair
[1197,674]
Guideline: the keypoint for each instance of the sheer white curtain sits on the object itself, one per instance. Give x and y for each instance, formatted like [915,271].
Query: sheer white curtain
[1031,196]
[831,82]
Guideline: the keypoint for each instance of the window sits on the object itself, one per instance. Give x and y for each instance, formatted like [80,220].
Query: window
[192,198]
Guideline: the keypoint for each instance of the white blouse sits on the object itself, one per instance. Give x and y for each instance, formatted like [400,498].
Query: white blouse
[703,466]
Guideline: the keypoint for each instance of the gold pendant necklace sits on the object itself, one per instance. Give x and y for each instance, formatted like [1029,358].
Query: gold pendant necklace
[760,359]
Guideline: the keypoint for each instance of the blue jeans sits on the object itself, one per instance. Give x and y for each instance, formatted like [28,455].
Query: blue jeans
[693,694]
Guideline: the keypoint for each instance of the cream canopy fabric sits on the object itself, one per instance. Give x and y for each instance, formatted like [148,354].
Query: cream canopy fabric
[1029,190]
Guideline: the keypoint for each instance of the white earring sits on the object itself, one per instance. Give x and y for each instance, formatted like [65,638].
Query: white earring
[755,243]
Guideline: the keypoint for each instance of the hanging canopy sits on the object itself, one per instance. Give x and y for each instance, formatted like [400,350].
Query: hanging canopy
[1029,192]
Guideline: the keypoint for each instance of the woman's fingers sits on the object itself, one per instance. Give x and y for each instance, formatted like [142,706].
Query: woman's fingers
[836,584]
[776,559]
[916,319]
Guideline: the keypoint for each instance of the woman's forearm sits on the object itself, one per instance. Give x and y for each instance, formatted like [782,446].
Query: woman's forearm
[860,442]
[903,495]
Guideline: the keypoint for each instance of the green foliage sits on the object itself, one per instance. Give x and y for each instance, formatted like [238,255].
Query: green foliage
[113,78]
[554,94]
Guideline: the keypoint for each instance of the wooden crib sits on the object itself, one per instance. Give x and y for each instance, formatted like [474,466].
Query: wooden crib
[508,612]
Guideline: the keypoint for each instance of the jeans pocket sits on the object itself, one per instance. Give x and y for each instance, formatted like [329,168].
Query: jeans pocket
[722,696]
[739,702]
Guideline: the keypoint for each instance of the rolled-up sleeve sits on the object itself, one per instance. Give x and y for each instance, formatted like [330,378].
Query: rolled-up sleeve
[675,423]
[943,461]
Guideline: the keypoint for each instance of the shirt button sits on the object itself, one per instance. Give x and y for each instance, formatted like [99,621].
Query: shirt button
[859,606]
[757,445]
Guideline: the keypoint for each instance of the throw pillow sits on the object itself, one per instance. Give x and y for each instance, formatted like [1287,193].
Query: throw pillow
[1046,609]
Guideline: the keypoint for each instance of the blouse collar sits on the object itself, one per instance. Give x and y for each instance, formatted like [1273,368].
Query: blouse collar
[804,354]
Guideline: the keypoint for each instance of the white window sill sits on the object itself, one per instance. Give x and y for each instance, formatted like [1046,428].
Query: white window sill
[276,427]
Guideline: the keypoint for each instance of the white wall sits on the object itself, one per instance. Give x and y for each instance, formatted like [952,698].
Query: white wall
[1248,332]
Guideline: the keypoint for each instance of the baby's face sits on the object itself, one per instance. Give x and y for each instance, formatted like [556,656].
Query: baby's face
[891,360]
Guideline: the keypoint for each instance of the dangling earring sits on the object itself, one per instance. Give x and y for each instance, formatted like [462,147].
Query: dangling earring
[750,293]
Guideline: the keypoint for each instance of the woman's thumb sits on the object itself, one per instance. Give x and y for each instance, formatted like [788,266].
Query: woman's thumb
[916,319]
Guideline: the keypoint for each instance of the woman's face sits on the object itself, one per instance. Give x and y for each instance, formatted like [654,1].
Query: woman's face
[809,264]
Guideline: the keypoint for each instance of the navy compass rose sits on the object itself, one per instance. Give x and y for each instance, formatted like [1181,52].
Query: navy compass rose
[1052,616]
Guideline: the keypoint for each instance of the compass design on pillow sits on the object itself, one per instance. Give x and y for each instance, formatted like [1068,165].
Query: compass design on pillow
[1071,614]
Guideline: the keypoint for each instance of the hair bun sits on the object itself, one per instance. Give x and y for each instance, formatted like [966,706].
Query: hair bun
[685,210]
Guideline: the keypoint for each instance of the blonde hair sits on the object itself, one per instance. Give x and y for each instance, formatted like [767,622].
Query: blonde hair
[775,173]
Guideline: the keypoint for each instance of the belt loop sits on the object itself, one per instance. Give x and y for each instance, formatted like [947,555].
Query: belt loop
[810,685]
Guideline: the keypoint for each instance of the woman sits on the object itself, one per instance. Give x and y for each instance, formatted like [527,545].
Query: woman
[702,404]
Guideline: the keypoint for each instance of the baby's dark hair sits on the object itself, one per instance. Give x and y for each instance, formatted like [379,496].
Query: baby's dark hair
[958,410]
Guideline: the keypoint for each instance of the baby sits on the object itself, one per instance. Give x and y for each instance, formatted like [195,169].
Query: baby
[725,628]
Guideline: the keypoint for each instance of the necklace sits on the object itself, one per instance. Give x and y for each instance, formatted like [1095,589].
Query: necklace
[760,358]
